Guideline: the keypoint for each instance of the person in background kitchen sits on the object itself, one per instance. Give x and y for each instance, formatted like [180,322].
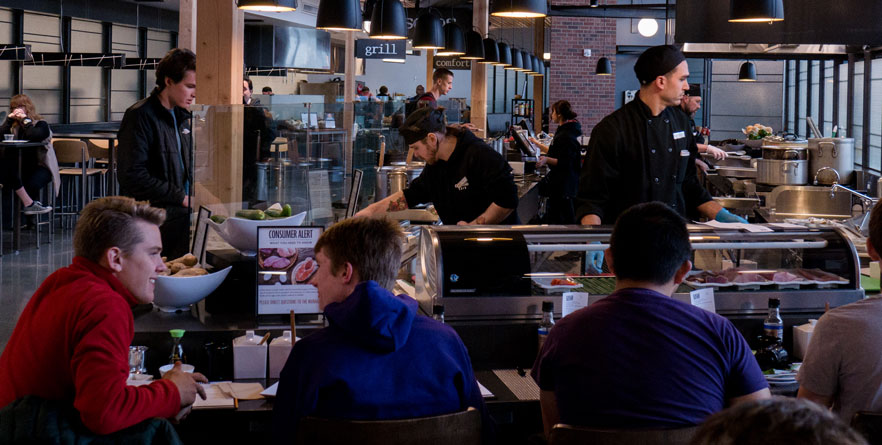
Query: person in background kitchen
[267,91]
[258,137]
[691,103]
[839,371]
[563,158]
[645,150]
[154,148]
[39,166]
[377,359]
[464,178]
[71,342]
[692,362]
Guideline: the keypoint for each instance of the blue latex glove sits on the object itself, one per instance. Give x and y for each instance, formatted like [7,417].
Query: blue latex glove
[594,260]
[726,217]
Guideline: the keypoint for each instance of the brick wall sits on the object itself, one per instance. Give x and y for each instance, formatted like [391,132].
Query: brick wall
[571,76]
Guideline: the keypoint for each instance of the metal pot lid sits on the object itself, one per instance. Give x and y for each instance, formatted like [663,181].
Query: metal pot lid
[780,141]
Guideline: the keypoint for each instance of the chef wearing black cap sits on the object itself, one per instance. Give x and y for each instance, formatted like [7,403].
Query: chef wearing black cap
[464,178]
[645,151]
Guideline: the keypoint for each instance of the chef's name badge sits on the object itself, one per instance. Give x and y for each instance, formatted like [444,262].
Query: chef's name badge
[679,135]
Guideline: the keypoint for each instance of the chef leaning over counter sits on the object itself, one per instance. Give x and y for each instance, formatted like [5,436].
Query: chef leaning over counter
[464,178]
[645,151]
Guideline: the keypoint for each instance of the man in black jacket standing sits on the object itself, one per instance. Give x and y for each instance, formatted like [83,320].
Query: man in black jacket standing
[154,155]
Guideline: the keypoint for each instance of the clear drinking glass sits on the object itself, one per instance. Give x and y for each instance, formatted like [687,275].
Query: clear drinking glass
[137,359]
[8,137]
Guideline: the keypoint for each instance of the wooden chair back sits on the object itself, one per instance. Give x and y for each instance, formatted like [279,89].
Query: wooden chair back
[563,434]
[869,425]
[462,428]
[70,151]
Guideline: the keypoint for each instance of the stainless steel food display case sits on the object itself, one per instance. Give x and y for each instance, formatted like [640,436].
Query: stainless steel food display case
[504,272]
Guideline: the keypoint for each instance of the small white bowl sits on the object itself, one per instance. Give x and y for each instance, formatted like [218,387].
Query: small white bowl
[241,233]
[166,368]
[173,293]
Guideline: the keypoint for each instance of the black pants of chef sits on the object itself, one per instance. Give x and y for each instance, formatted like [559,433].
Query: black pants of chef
[559,210]
[175,232]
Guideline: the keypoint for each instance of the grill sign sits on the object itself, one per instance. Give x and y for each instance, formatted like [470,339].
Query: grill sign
[380,49]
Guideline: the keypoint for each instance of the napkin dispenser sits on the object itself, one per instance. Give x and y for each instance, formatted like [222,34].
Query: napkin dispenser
[279,350]
[802,334]
[249,357]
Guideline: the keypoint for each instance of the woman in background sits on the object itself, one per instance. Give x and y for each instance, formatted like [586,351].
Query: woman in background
[38,165]
[563,157]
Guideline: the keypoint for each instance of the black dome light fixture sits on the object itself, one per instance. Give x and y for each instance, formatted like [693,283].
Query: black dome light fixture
[517,64]
[454,41]
[537,65]
[519,8]
[748,11]
[267,5]
[747,73]
[388,20]
[474,46]
[504,54]
[527,62]
[491,52]
[604,67]
[339,15]
[428,33]
[541,66]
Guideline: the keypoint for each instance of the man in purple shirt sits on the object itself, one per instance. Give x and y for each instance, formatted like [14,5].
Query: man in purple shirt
[639,359]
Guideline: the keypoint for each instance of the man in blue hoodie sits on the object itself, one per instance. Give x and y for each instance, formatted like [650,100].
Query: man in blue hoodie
[376,359]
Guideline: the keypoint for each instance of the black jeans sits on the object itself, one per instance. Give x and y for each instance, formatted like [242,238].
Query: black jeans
[559,210]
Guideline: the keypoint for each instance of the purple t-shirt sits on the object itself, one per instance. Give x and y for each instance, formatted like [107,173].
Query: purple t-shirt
[639,359]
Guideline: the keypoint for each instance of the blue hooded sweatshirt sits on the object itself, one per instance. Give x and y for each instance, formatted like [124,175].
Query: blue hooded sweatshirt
[376,360]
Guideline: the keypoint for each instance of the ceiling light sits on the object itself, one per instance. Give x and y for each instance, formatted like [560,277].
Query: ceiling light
[756,10]
[647,27]
[454,41]
[504,54]
[428,32]
[517,64]
[604,67]
[267,5]
[388,20]
[474,46]
[339,15]
[394,60]
[491,52]
[546,56]
[593,3]
[747,73]
[519,8]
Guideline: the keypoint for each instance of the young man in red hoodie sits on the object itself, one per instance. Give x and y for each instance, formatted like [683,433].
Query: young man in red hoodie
[71,342]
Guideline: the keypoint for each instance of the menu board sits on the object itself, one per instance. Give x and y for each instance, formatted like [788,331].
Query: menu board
[285,264]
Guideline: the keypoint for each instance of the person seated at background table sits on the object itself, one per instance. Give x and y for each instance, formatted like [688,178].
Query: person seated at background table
[38,165]
[842,368]
[638,359]
[154,148]
[777,420]
[464,178]
[71,342]
[377,359]
[564,160]
[383,94]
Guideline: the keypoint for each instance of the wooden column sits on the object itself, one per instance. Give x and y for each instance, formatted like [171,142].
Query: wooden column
[480,20]
[219,65]
[187,25]
[430,68]
[538,81]
[348,101]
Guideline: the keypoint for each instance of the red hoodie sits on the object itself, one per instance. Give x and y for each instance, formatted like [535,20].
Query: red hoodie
[71,343]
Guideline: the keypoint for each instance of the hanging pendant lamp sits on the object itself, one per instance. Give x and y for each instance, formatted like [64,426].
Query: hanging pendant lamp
[504,55]
[756,10]
[388,20]
[526,62]
[267,5]
[474,46]
[541,66]
[747,73]
[339,15]
[428,32]
[534,71]
[604,67]
[491,52]
[517,64]
[519,8]
[454,41]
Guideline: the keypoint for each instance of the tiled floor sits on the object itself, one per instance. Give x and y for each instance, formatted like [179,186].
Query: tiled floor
[22,273]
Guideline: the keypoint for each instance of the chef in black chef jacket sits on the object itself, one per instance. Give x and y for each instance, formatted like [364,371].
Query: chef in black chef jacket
[464,178]
[645,151]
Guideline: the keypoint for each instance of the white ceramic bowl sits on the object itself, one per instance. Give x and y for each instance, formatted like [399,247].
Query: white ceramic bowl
[241,233]
[166,368]
[172,293]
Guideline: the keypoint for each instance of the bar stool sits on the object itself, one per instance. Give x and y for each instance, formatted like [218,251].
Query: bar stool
[75,152]
[48,195]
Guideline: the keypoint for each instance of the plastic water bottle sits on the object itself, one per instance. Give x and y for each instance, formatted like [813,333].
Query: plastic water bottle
[547,322]
[773,326]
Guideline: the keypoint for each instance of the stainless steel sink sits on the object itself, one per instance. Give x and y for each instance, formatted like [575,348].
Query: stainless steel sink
[800,201]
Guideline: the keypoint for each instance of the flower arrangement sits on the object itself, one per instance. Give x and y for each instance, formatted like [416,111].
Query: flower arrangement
[757,131]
